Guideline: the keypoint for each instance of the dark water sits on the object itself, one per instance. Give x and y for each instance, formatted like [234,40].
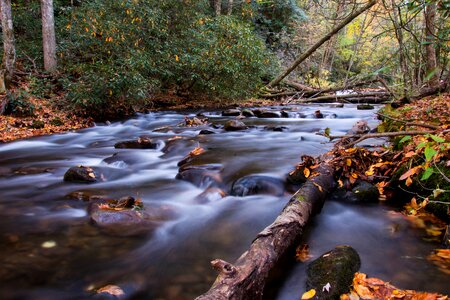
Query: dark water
[50,249]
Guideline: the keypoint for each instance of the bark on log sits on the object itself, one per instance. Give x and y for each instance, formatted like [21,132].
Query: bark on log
[314,47]
[245,279]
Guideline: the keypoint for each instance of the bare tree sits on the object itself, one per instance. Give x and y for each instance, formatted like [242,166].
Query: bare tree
[230,7]
[48,35]
[9,55]
[430,50]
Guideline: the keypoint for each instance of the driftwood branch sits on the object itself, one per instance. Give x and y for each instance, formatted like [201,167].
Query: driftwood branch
[314,47]
[245,279]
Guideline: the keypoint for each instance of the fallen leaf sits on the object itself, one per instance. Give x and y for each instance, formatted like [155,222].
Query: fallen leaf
[326,287]
[318,186]
[92,175]
[410,172]
[348,162]
[302,253]
[112,290]
[306,172]
[309,294]
[408,181]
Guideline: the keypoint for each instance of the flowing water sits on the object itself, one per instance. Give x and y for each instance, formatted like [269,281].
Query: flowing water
[51,250]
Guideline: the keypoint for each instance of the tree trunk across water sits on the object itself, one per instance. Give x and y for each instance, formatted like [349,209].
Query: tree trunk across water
[246,278]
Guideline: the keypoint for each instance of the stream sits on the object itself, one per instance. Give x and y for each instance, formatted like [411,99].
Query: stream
[50,249]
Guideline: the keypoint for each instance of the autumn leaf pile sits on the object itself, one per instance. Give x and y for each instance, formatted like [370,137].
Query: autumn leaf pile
[45,114]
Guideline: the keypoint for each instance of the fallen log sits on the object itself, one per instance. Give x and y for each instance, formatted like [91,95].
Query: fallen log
[245,279]
[376,97]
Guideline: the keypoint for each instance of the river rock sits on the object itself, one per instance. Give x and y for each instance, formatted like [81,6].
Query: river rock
[178,146]
[365,106]
[337,105]
[80,174]
[268,114]
[142,142]
[257,184]
[318,114]
[248,113]
[128,222]
[234,125]
[284,114]
[363,192]
[332,273]
[278,128]
[232,112]
[206,131]
[202,176]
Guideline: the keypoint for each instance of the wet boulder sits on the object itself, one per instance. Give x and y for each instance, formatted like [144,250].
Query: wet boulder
[248,113]
[285,114]
[81,174]
[257,184]
[318,114]
[130,222]
[206,131]
[201,175]
[233,112]
[234,125]
[268,114]
[365,106]
[142,142]
[277,128]
[362,192]
[178,146]
[332,273]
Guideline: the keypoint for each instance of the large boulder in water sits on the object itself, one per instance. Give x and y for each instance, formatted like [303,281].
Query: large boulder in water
[257,184]
[331,275]
[129,222]
[266,114]
[142,142]
[234,125]
[80,174]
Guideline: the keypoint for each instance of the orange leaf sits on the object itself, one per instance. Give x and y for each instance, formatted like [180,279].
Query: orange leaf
[348,161]
[112,290]
[410,172]
[410,154]
[408,181]
[306,172]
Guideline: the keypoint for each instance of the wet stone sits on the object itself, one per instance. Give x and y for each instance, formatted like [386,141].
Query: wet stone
[201,176]
[248,113]
[206,131]
[129,222]
[276,128]
[257,184]
[231,112]
[365,106]
[234,125]
[141,143]
[269,114]
[331,275]
[80,174]
[209,195]
[318,114]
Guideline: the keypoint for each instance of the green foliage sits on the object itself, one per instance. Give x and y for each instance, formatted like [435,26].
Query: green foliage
[122,52]
[19,105]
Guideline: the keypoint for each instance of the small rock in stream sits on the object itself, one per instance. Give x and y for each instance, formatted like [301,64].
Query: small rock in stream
[142,142]
[234,125]
[331,275]
[257,184]
[80,174]
[231,112]
[365,106]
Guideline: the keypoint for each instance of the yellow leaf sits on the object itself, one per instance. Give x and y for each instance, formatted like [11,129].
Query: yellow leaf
[354,175]
[350,150]
[92,175]
[348,161]
[341,184]
[306,172]
[177,58]
[309,294]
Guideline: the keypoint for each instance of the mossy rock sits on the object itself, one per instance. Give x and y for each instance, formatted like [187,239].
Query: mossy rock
[56,122]
[334,270]
[37,124]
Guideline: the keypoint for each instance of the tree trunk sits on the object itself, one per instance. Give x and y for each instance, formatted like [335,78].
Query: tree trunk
[9,55]
[430,47]
[217,7]
[314,47]
[245,279]
[230,7]
[48,36]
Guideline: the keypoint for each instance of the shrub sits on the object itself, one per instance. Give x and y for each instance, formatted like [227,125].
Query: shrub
[19,105]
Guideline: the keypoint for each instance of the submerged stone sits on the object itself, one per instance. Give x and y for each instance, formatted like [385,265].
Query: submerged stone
[257,184]
[331,275]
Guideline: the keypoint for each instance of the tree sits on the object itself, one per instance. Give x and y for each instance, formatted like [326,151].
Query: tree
[430,41]
[48,35]
[9,55]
